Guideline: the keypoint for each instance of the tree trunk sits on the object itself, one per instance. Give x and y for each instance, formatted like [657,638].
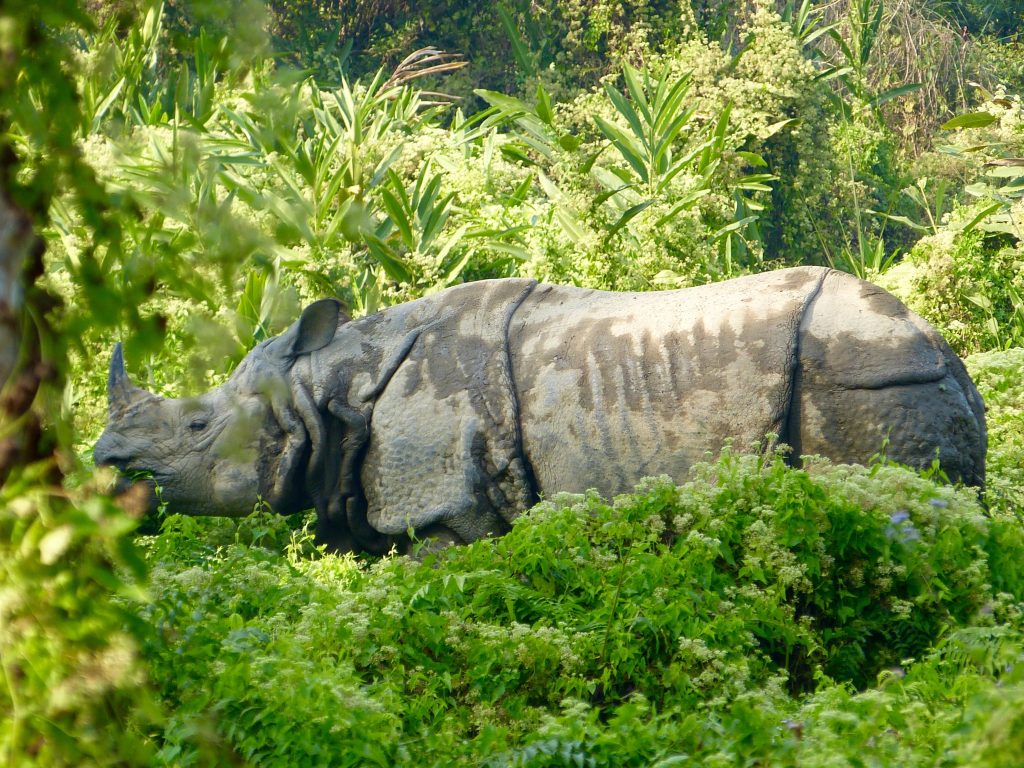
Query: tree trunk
[15,244]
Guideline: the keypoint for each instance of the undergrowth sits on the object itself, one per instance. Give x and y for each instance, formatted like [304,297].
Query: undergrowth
[754,613]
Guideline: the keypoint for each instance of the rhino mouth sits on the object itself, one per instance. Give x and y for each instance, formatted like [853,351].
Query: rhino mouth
[136,494]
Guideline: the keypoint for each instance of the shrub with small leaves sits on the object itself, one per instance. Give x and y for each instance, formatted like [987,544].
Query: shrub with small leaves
[718,601]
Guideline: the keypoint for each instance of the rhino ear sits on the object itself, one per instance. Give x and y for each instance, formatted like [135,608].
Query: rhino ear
[317,326]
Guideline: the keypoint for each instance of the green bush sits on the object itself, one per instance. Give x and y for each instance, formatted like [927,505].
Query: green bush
[755,615]
[966,275]
[967,286]
[697,611]
[1000,380]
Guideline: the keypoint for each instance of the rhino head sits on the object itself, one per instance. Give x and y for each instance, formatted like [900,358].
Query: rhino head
[223,451]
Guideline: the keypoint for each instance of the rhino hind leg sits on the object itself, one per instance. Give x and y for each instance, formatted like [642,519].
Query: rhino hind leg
[871,371]
[913,423]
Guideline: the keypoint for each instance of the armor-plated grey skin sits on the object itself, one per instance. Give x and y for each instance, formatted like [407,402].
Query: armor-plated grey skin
[450,415]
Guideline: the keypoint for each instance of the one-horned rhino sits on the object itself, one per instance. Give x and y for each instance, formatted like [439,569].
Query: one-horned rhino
[451,414]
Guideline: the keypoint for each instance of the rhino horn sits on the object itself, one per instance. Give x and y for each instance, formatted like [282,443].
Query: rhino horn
[120,390]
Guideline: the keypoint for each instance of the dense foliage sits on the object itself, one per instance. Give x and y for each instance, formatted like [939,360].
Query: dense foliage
[198,170]
[674,622]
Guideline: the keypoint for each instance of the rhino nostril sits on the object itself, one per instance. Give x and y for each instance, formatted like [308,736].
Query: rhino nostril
[105,457]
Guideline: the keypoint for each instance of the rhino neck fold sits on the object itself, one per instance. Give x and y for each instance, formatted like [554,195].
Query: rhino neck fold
[441,380]
[788,430]
[338,388]
[531,491]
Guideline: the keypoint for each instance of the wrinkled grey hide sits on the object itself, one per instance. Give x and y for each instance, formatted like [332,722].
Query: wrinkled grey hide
[451,414]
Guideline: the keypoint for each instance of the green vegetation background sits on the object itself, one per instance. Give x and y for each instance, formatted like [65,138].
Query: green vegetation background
[199,170]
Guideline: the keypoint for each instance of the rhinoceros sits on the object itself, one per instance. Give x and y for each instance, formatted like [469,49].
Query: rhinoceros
[450,415]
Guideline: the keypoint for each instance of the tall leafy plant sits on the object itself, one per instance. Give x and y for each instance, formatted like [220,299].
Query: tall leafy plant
[657,152]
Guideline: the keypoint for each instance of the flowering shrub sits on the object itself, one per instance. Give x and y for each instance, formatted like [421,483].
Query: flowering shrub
[701,611]
[966,276]
[1000,379]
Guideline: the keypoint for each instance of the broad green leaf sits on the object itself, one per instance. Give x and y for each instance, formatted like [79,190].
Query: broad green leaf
[569,143]
[637,92]
[518,252]
[683,204]
[626,110]
[101,110]
[871,33]
[519,48]
[980,300]
[901,220]
[982,215]
[733,227]
[435,221]
[1004,171]
[753,159]
[671,133]
[893,93]
[969,120]
[453,240]
[831,73]
[388,259]
[544,111]
[509,105]
[756,182]
[978,189]
[774,128]
[398,216]
[518,195]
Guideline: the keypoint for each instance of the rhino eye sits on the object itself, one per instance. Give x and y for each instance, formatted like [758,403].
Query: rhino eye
[198,424]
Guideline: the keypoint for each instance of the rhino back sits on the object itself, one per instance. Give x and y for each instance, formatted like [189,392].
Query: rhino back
[617,386]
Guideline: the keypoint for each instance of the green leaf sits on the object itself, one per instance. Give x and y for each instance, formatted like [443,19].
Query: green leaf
[669,135]
[629,214]
[893,93]
[774,128]
[637,92]
[683,204]
[753,159]
[982,215]
[733,227]
[519,49]
[544,111]
[980,300]
[832,73]
[569,143]
[518,252]
[509,105]
[626,110]
[397,215]
[901,220]
[388,259]
[1003,171]
[756,182]
[101,110]
[978,189]
[969,120]
[453,240]
[518,195]
[626,145]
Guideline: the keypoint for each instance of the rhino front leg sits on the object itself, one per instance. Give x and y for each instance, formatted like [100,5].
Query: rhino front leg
[437,482]
[345,505]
